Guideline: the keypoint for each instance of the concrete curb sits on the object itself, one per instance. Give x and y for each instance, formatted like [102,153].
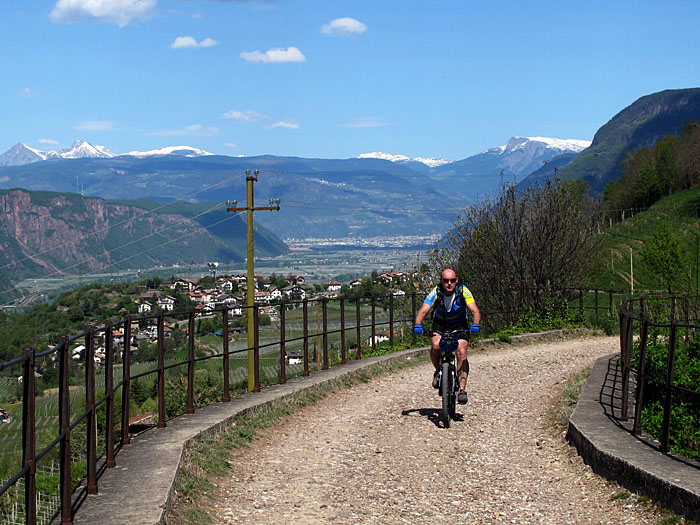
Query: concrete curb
[614,453]
[140,488]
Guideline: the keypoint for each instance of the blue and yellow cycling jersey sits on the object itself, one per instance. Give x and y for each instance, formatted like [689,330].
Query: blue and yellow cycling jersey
[457,311]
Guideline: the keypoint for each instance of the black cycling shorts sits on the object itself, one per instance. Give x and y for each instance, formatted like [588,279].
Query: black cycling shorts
[462,326]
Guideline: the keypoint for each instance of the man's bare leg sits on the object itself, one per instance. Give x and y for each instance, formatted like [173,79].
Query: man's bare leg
[462,364]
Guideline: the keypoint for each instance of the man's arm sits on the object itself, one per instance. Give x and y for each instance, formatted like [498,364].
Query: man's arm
[476,314]
[422,312]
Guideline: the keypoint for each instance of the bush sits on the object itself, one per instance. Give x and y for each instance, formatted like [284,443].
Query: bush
[684,431]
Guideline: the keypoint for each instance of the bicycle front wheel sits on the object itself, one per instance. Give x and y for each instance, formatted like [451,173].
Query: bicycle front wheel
[447,391]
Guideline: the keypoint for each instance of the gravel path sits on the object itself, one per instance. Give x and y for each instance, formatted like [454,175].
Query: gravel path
[375,453]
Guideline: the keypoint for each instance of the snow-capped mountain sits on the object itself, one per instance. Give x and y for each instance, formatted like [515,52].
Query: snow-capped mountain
[515,160]
[430,162]
[557,146]
[21,154]
[183,151]
[81,149]
[523,155]
[520,155]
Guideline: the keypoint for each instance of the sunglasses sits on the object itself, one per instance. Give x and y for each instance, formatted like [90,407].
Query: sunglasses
[449,281]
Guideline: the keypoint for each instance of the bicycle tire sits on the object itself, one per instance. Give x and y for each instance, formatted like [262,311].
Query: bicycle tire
[447,391]
[453,393]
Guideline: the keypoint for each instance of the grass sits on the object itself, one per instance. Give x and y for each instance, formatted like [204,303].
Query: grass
[569,398]
[626,239]
[208,457]
[620,496]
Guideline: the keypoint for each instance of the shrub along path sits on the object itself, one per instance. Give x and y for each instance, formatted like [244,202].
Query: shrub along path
[375,453]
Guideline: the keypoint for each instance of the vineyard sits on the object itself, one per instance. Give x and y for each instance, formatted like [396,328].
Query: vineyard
[322,349]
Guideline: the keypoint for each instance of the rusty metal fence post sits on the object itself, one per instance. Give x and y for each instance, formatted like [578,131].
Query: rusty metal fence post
[324,307]
[91,420]
[625,363]
[580,300]
[305,315]
[641,377]
[109,394]
[64,422]
[29,434]
[391,319]
[226,364]
[283,347]
[161,372]
[126,380]
[190,364]
[374,326]
[358,317]
[596,304]
[664,445]
[342,331]
[413,317]
[485,314]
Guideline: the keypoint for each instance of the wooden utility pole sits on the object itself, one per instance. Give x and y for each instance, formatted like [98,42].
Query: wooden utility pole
[250,280]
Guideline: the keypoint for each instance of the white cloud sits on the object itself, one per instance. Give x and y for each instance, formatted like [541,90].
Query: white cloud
[188,41]
[120,12]
[95,125]
[287,125]
[245,116]
[195,130]
[27,93]
[344,27]
[365,122]
[231,145]
[277,55]
[49,141]
[197,15]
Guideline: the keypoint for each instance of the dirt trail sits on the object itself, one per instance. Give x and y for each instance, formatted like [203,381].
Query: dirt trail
[375,453]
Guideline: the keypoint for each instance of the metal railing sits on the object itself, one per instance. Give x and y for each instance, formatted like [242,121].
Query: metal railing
[359,327]
[636,324]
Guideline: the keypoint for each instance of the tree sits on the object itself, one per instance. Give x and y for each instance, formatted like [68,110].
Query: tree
[520,244]
[665,256]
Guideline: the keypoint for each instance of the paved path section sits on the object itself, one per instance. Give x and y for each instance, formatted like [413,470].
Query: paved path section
[139,489]
[376,453]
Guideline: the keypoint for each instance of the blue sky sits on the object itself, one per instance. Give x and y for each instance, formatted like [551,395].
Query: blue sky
[332,78]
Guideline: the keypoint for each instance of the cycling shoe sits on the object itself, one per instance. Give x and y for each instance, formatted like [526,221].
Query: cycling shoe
[462,397]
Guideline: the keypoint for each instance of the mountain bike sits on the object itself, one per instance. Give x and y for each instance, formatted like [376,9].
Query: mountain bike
[448,383]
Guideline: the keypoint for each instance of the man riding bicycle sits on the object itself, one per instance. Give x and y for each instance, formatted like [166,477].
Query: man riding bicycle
[451,300]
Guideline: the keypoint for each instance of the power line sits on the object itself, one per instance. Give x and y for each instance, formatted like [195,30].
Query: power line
[107,228]
[138,240]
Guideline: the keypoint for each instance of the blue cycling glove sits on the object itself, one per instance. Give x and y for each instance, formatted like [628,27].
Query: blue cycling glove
[418,329]
[474,328]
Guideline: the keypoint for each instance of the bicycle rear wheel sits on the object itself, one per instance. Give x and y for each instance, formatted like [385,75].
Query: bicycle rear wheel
[447,391]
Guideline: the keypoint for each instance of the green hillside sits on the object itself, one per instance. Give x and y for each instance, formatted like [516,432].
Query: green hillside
[639,125]
[681,211]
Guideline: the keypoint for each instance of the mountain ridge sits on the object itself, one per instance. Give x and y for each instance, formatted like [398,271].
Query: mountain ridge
[396,198]
[638,125]
[21,154]
[57,232]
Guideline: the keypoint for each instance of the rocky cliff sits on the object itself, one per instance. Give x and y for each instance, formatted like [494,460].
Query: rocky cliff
[43,233]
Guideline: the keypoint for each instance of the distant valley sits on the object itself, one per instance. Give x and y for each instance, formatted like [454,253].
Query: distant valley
[379,195]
